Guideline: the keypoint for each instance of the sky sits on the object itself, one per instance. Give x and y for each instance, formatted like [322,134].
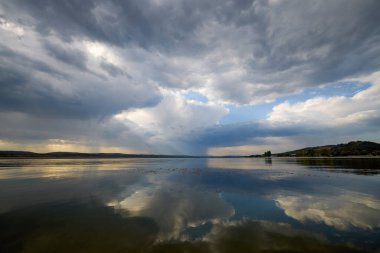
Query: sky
[188,77]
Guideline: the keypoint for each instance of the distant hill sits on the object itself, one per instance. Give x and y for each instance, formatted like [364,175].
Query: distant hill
[353,148]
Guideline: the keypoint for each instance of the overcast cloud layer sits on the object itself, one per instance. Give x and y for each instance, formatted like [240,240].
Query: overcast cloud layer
[116,75]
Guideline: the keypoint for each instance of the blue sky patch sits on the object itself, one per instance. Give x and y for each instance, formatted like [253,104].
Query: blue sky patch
[196,96]
[260,111]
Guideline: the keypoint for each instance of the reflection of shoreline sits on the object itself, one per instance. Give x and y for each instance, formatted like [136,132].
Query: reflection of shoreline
[238,163]
[356,165]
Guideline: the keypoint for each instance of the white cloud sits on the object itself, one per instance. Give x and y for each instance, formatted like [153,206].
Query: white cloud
[12,27]
[174,118]
[330,111]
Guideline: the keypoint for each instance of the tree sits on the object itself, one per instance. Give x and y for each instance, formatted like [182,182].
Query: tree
[268,153]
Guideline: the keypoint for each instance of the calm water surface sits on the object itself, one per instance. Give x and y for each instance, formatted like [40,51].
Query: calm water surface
[190,205]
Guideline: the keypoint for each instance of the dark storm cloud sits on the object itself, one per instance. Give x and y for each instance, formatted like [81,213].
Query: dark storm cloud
[116,22]
[23,128]
[113,70]
[239,134]
[164,25]
[333,39]
[22,91]
[286,45]
[326,40]
[72,57]
[253,132]
[17,61]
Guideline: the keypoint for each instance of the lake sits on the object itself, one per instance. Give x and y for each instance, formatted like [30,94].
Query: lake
[190,205]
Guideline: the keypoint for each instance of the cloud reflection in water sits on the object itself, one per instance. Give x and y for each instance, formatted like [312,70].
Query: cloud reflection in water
[175,208]
[186,205]
[342,211]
